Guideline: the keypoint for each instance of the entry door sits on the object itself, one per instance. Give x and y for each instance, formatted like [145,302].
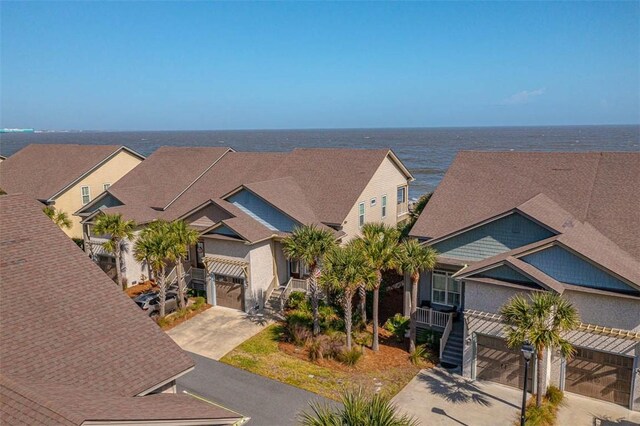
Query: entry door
[498,363]
[600,375]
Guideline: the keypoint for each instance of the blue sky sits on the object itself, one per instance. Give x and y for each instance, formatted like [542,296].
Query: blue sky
[199,65]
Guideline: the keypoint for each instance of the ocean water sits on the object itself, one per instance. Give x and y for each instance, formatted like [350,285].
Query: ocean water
[427,152]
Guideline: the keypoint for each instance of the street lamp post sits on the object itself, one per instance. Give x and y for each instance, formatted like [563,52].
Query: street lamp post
[527,352]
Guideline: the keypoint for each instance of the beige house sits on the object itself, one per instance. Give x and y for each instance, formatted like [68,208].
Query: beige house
[66,176]
[509,223]
[245,203]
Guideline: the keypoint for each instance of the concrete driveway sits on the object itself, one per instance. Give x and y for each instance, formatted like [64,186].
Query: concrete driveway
[216,331]
[437,397]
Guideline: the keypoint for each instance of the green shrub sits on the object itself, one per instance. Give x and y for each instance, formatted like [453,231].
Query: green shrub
[198,302]
[554,396]
[351,357]
[363,338]
[299,317]
[297,300]
[298,334]
[329,318]
[429,338]
[540,416]
[421,353]
[317,348]
[398,325]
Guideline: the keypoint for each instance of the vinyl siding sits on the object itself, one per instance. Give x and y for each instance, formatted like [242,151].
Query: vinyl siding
[493,238]
[505,273]
[70,201]
[385,181]
[262,211]
[566,267]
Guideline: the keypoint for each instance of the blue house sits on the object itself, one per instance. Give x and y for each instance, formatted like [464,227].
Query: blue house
[508,223]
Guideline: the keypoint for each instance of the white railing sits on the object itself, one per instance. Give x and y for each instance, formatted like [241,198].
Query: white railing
[285,294]
[432,317]
[298,284]
[446,333]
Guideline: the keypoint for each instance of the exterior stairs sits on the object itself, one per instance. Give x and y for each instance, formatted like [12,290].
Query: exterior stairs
[452,354]
[274,304]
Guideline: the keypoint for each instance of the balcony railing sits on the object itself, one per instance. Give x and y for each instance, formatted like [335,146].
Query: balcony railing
[432,318]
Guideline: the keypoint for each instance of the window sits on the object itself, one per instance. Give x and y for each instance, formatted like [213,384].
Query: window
[360,214]
[105,186]
[86,196]
[294,267]
[373,202]
[444,289]
[402,195]
[384,206]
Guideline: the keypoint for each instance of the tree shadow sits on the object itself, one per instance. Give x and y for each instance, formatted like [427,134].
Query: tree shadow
[456,390]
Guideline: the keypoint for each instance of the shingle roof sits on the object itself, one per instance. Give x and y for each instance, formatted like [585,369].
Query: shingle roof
[75,330]
[598,188]
[42,170]
[331,180]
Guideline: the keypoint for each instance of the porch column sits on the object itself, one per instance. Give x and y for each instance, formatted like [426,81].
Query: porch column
[211,290]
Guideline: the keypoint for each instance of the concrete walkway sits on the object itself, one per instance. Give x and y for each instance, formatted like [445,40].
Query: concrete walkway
[267,402]
[216,331]
[437,397]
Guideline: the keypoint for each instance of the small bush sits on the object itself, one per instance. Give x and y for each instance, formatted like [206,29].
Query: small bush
[329,318]
[398,325]
[317,348]
[298,334]
[363,338]
[351,357]
[429,338]
[299,317]
[554,396]
[540,416]
[420,354]
[297,300]
[198,302]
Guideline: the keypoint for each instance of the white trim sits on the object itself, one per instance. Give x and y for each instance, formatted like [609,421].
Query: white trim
[159,385]
[448,279]
[362,214]
[106,186]
[383,206]
[82,194]
[94,168]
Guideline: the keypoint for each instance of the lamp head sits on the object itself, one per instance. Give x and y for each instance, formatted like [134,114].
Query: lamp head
[527,350]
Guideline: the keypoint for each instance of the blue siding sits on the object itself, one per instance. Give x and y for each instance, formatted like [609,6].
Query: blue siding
[262,211]
[506,273]
[497,237]
[224,230]
[566,267]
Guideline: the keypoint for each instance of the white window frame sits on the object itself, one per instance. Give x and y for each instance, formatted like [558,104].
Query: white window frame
[105,186]
[88,194]
[373,202]
[447,290]
[361,214]
[404,191]
[383,204]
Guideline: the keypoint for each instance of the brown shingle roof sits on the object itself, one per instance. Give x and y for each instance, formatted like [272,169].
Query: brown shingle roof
[43,170]
[599,188]
[330,179]
[76,329]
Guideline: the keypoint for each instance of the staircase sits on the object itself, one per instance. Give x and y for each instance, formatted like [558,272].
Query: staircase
[275,303]
[452,355]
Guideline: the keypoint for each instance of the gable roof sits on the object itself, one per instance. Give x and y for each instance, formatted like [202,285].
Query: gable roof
[593,188]
[45,170]
[319,185]
[84,347]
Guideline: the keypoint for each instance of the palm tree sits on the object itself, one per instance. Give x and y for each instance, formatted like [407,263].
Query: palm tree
[309,244]
[379,244]
[184,238]
[541,321]
[118,230]
[143,248]
[357,409]
[58,217]
[345,268]
[415,257]
[160,246]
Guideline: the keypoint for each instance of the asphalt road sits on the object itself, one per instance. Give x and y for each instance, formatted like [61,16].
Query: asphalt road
[267,402]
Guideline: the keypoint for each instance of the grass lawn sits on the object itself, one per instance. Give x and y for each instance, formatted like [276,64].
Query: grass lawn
[387,371]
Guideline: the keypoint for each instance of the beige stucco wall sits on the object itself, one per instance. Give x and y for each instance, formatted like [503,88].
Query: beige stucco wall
[261,264]
[111,171]
[132,270]
[385,181]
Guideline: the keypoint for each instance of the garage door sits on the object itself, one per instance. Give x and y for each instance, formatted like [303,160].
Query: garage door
[229,294]
[497,363]
[600,375]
